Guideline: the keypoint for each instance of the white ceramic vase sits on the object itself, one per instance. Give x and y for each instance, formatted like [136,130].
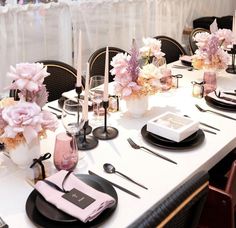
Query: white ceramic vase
[24,153]
[137,107]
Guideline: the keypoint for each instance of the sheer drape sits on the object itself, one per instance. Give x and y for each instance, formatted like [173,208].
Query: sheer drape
[50,31]
[34,32]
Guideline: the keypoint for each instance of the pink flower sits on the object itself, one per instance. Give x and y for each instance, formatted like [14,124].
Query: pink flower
[28,76]
[3,123]
[49,121]
[152,47]
[25,118]
[120,63]
[226,36]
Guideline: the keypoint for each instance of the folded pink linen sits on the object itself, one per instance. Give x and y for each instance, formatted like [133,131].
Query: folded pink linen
[227,96]
[54,196]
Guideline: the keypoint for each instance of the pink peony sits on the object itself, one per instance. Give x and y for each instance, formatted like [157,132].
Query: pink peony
[22,118]
[28,76]
[49,121]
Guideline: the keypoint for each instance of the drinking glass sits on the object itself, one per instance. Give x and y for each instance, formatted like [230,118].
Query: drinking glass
[96,94]
[66,150]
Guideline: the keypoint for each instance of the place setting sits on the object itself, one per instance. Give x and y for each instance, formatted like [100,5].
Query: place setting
[222,99]
[173,131]
[91,205]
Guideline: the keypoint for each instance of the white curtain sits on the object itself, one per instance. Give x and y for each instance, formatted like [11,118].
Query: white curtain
[34,32]
[116,22]
[51,31]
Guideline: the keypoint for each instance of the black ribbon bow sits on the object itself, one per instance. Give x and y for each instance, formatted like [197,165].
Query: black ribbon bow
[40,162]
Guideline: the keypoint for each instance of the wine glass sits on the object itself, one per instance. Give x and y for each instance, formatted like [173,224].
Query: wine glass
[66,149]
[96,94]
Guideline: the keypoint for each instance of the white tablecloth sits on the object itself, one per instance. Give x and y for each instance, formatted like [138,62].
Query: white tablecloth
[161,177]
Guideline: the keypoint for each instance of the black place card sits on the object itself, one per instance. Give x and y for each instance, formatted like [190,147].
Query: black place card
[78,198]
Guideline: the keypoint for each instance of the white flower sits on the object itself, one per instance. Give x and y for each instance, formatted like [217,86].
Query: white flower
[150,71]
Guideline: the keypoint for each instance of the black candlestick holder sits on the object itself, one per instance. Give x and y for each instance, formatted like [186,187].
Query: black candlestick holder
[232,68]
[85,141]
[105,132]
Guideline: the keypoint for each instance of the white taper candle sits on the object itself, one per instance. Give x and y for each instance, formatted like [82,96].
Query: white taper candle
[79,60]
[86,94]
[106,76]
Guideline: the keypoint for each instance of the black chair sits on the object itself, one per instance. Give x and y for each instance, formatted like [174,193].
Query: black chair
[205,22]
[181,209]
[172,48]
[192,43]
[97,61]
[62,78]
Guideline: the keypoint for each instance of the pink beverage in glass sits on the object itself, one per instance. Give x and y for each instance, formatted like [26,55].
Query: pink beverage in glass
[65,152]
[209,79]
[166,79]
[97,103]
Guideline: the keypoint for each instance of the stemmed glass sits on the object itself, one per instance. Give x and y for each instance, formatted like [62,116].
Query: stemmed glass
[96,94]
[66,157]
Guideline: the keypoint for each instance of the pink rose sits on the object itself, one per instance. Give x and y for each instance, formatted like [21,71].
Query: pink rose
[28,76]
[25,118]
[50,121]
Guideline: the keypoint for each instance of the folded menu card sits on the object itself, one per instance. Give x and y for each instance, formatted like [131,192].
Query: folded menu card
[80,200]
[224,97]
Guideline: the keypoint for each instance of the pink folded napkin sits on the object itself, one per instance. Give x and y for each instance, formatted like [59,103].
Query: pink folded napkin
[227,96]
[92,204]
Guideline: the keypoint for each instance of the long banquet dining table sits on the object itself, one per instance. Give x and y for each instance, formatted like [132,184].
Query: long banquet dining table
[161,177]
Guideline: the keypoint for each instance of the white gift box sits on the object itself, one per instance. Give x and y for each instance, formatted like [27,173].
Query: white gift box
[172,126]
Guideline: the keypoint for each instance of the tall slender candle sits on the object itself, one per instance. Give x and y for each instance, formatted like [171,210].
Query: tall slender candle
[106,76]
[86,93]
[234,27]
[79,59]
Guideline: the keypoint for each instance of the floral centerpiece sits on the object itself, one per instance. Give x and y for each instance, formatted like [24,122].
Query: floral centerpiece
[136,75]
[211,52]
[22,121]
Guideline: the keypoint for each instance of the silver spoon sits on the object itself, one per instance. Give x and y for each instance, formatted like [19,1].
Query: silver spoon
[109,168]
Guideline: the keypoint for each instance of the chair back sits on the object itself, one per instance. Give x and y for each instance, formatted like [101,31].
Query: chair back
[62,78]
[192,43]
[97,61]
[181,209]
[219,209]
[172,48]
[231,183]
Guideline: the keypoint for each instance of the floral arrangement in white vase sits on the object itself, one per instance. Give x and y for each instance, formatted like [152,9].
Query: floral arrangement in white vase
[136,75]
[212,48]
[23,120]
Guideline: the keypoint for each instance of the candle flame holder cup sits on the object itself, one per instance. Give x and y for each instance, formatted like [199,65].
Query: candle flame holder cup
[85,141]
[105,132]
[232,68]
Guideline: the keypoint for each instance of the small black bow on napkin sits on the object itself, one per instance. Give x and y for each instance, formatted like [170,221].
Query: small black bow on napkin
[40,162]
[224,97]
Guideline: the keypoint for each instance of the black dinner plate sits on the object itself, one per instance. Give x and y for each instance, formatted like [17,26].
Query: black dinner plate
[62,99]
[156,140]
[44,214]
[214,103]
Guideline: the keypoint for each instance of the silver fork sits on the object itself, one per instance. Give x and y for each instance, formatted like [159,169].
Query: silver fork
[136,146]
[217,113]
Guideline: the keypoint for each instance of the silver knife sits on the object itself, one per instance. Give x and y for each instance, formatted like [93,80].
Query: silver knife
[206,125]
[206,130]
[115,185]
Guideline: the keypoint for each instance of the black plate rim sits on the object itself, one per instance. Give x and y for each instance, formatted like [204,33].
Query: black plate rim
[175,145]
[219,105]
[32,211]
